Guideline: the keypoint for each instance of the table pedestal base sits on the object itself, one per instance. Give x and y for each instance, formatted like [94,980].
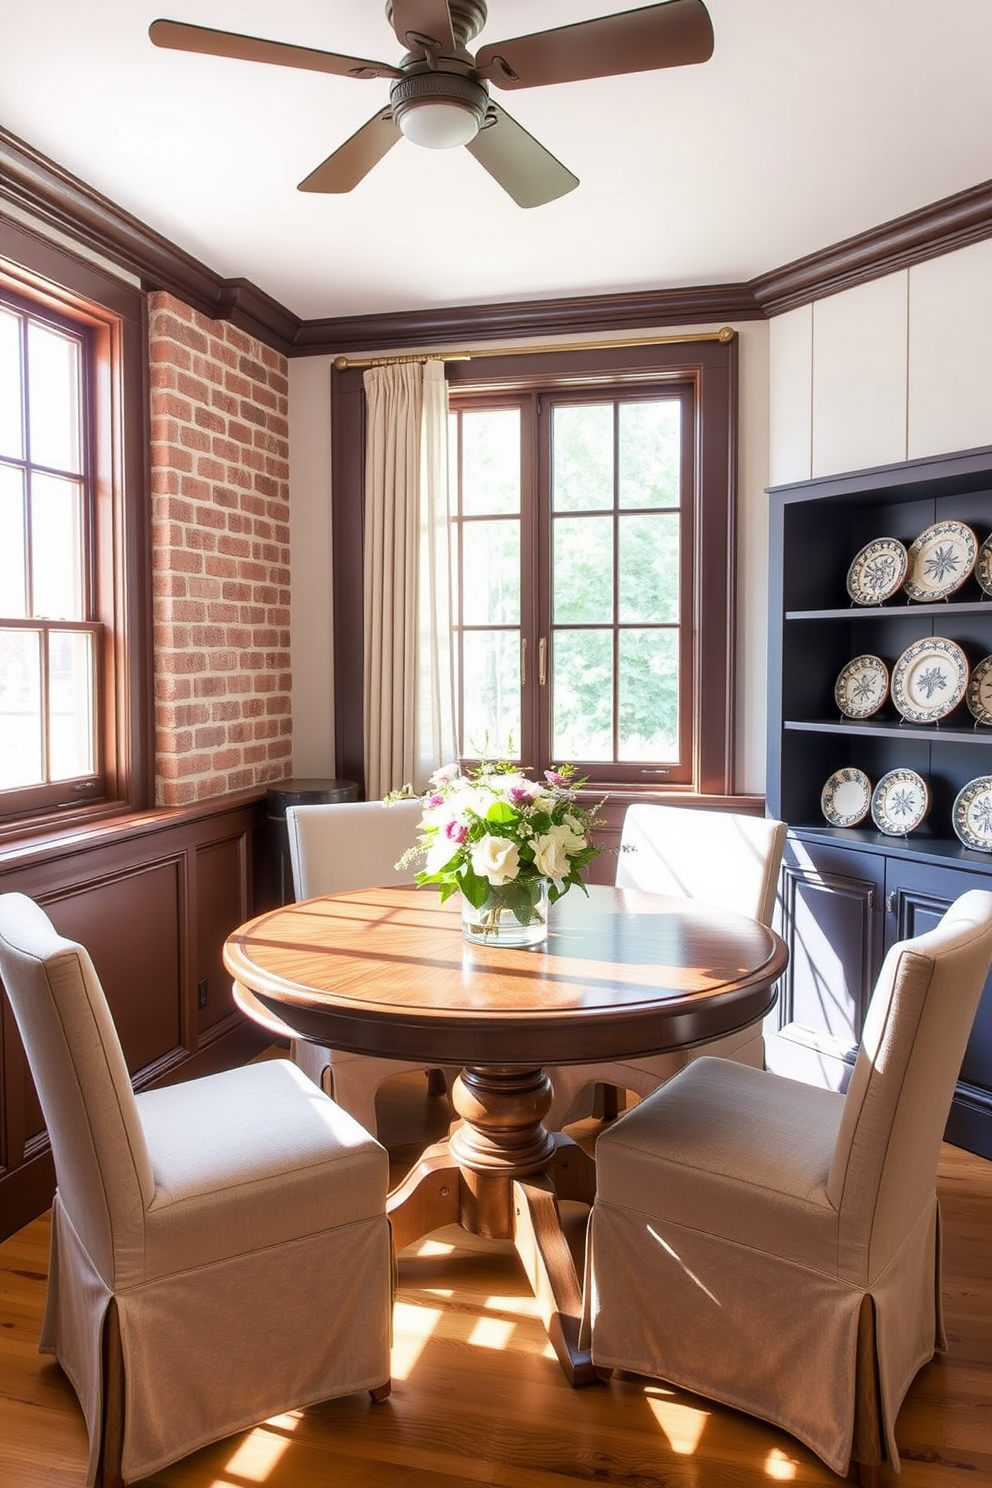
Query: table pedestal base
[500,1174]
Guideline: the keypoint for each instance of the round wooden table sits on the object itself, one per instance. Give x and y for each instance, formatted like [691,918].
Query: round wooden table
[386,972]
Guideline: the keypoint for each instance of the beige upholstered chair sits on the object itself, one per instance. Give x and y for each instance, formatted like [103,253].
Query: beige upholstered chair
[220,1249]
[775,1246]
[723,858]
[353,845]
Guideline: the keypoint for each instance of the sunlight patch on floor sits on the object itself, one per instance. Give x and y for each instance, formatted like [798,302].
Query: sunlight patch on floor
[683,1425]
[413,1327]
[260,1452]
[429,1247]
[779,1466]
[491,1332]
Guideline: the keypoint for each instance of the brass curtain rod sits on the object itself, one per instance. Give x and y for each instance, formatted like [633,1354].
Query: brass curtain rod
[342,364]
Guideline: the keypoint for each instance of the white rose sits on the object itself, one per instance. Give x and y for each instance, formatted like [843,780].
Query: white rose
[552,852]
[497,859]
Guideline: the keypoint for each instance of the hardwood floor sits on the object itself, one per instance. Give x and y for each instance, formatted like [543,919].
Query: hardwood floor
[478,1396]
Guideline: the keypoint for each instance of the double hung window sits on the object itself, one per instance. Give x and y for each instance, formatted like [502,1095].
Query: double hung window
[75,733]
[49,643]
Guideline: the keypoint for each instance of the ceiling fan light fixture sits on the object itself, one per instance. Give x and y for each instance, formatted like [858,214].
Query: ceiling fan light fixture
[439,126]
[438,110]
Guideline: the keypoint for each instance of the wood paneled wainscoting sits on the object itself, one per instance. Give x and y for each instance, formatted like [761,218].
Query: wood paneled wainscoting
[152,897]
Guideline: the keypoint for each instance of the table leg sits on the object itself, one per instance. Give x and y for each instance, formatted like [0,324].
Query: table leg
[544,1250]
[500,1174]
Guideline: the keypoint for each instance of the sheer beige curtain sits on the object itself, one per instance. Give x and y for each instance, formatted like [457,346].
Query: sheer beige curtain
[409,691]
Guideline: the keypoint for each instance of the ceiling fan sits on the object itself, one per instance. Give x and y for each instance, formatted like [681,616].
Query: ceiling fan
[439,92]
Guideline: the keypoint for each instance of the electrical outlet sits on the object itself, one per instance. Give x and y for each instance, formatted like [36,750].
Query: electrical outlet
[201,992]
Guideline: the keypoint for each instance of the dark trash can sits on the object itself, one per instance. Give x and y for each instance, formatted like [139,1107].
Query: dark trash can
[297,793]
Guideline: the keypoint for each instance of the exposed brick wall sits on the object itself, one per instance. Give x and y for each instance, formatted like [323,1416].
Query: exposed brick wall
[220,532]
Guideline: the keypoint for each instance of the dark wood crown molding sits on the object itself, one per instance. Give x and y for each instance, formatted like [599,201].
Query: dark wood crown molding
[53,196]
[943,226]
[581,316]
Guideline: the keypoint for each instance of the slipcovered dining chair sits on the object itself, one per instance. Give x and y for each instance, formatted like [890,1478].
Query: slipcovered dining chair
[220,1251]
[720,857]
[332,848]
[776,1246]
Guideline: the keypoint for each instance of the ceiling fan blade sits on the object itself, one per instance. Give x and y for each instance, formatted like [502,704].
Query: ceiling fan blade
[422,18]
[352,161]
[180,37]
[521,165]
[674,34]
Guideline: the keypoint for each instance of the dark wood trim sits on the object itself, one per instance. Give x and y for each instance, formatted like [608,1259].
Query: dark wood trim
[713,366]
[115,312]
[581,316]
[941,227]
[54,196]
[48,846]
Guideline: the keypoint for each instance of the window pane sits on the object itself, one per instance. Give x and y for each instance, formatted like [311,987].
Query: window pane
[582,686]
[649,695]
[70,674]
[491,461]
[11,432]
[491,693]
[491,573]
[56,549]
[21,759]
[13,598]
[650,454]
[53,398]
[582,457]
[649,568]
[582,581]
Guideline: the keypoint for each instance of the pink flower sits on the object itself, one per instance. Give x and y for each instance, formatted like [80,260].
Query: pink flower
[456,831]
[553,778]
[520,795]
[434,799]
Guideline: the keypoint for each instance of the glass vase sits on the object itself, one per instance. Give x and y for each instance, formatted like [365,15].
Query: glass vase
[514,914]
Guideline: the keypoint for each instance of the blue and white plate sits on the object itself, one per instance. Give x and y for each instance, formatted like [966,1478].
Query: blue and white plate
[929,679]
[972,814]
[862,687]
[940,560]
[846,797]
[979,697]
[899,802]
[877,571]
[983,566]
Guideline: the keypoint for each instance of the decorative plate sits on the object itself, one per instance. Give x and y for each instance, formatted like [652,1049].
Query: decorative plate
[899,802]
[846,797]
[862,687]
[983,567]
[877,571]
[940,560]
[979,695]
[972,814]
[929,679]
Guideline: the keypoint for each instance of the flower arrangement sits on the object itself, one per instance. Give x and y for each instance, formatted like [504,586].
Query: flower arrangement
[502,840]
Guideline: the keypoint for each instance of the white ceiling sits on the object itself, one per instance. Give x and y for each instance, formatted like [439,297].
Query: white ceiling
[813,121]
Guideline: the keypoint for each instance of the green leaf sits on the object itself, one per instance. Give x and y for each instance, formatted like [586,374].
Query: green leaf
[502,811]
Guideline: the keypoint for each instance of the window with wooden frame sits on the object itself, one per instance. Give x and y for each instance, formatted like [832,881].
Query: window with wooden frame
[574,525]
[594,496]
[74,737]
[594,546]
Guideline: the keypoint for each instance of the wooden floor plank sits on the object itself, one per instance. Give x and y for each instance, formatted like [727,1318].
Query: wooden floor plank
[479,1398]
